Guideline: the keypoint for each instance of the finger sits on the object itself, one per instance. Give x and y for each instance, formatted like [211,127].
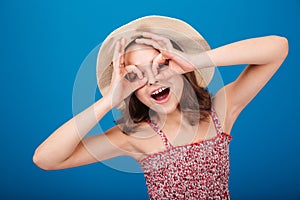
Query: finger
[116,50]
[153,36]
[156,61]
[116,60]
[155,44]
[123,41]
[149,42]
[122,50]
[134,69]
[138,34]
[138,84]
[118,57]
[160,39]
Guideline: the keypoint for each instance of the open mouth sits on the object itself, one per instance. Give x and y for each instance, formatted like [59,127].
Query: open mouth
[161,94]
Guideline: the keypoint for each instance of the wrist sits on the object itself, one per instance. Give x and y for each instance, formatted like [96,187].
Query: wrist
[202,60]
[113,100]
[102,106]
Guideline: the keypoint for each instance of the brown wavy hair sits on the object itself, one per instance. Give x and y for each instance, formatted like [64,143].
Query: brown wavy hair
[195,103]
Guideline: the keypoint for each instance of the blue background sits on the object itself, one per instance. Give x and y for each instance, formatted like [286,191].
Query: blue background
[42,45]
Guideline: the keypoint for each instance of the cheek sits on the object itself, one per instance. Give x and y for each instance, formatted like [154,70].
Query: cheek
[177,85]
[141,95]
[138,93]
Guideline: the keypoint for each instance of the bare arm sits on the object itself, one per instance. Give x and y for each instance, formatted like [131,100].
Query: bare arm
[264,56]
[65,147]
[68,147]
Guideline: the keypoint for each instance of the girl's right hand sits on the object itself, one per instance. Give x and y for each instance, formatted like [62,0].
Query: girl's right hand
[125,79]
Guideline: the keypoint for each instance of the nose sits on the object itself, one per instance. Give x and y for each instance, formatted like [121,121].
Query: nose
[151,77]
[151,80]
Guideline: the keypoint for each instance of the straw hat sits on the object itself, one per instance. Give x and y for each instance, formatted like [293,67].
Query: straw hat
[184,35]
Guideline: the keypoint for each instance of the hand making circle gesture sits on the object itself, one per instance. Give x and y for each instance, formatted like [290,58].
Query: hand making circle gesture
[125,79]
[180,62]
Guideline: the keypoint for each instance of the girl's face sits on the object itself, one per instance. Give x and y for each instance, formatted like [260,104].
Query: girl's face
[161,95]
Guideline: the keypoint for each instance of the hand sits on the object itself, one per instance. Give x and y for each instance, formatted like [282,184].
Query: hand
[125,79]
[178,62]
[167,52]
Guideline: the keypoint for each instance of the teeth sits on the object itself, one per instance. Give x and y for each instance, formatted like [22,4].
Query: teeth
[158,91]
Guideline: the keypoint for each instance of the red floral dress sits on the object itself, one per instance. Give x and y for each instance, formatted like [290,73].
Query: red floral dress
[194,171]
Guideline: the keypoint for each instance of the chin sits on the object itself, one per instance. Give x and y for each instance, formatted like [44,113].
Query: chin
[165,109]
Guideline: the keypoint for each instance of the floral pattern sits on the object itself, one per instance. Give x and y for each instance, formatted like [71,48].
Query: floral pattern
[194,171]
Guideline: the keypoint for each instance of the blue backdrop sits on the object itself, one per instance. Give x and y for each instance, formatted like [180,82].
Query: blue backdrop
[43,44]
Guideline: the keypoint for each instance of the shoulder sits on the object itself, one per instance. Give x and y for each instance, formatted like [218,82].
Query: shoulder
[127,142]
[117,138]
[223,109]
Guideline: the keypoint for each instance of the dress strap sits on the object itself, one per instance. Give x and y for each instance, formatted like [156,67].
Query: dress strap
[216,121]
[161,133]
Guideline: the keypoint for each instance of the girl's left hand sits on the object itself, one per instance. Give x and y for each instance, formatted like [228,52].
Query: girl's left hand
[183,61]
[178,62]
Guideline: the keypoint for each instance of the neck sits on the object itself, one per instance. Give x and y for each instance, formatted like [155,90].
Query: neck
[174,118]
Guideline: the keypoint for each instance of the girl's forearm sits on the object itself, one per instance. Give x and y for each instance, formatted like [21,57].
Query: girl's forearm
[262,50]
[63,141]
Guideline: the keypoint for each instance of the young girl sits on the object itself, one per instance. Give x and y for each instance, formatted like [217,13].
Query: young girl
[155,70]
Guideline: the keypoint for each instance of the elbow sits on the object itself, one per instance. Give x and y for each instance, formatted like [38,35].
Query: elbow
[282,46]
[40,161]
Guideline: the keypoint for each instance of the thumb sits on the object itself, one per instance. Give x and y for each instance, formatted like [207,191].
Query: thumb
[138,84]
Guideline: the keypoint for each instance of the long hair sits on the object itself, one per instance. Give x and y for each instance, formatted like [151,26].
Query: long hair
[195,104]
